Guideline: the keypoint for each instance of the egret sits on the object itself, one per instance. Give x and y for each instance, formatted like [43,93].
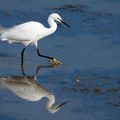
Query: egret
[30,32]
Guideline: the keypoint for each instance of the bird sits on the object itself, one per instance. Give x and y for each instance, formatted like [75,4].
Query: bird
[29,33]
[27,88]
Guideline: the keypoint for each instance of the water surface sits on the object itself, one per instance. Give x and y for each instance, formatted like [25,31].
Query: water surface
[89,77]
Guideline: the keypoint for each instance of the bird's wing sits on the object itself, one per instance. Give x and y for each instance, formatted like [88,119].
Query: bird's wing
[22,33]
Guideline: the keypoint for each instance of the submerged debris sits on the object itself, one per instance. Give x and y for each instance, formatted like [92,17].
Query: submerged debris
[97,90]
[72,8]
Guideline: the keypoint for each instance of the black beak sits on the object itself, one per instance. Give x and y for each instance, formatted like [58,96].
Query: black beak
[65,23]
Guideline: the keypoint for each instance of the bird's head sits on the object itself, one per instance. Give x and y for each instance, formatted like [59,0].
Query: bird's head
[58,18]
[54,109]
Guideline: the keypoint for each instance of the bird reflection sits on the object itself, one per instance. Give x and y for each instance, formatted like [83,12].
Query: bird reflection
[27,87]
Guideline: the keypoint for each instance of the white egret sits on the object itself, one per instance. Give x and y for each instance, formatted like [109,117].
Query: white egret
[30,32]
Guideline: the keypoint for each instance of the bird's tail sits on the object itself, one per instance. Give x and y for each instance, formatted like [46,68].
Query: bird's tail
[2,30]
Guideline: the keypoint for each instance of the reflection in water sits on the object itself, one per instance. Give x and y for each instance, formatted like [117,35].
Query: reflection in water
[27,87]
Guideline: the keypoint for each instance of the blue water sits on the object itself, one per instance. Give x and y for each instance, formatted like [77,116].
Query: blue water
[90,74]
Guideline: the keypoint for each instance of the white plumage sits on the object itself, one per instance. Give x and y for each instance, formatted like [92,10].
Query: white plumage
[26,33]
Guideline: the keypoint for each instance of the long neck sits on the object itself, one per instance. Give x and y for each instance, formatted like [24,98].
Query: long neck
[50,102]
[53,25]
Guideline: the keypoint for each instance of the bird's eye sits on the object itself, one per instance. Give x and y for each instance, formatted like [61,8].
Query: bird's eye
[59,19]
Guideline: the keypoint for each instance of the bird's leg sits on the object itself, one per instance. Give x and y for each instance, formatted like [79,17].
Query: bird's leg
[22,56]
[43,55]
[51,58]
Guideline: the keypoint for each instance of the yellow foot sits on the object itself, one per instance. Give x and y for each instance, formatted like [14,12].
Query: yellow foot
[56,62]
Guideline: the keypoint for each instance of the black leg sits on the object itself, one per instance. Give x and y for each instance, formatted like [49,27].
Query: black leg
[44,55]
[22,56]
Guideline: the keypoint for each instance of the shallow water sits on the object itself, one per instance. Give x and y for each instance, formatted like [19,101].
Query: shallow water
[89,77]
